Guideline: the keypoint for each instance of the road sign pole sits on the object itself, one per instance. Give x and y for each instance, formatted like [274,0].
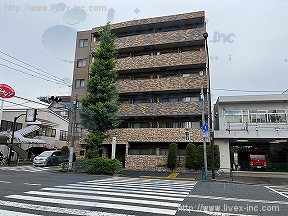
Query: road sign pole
[204,138]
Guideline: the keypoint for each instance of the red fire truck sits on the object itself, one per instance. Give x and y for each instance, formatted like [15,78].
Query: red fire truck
[255,158]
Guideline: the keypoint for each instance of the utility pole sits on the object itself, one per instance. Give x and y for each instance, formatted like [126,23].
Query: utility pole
[73,124]
[203,121]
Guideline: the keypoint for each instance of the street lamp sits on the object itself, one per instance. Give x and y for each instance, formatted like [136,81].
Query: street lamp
[205,36]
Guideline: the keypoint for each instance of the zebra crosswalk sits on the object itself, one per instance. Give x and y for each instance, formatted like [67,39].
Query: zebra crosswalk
[281,190]
[27,168]
[112,196]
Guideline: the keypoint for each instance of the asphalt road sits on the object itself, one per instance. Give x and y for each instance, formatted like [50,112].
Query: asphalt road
[27,191]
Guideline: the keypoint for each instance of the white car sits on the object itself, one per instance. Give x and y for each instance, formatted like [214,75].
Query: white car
[48,158]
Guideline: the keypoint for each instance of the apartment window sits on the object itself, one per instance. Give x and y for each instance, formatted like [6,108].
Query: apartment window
[83,42]
[63,135]
[189,124]
[233,116]
[78,129]
[276,116]
[48,131]
[140,125]
[7,126]
[169,124]
[169,99]
[257,116]
[190,99]
[79,83]
[82,152]
[81,63]
[169,75]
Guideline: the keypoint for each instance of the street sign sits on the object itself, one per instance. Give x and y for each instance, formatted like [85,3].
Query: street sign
[205,130]
[6,91]
[206,134]
[205,127]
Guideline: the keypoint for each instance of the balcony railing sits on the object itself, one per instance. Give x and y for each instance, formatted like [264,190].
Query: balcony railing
[164,84]
[157,38]
[161,109]
[164,60]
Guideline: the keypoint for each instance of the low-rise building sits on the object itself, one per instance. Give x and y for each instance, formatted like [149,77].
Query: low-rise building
[49,131]
[258,121]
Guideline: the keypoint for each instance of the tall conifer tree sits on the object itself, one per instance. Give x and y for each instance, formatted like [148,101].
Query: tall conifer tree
[100,106]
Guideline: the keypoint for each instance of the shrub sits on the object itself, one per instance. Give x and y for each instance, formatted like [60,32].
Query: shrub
[199,157]
[83,165]
[99,166]
[172,156]
[190,160]
[64,152]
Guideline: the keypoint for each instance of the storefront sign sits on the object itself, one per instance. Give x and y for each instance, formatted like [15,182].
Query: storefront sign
[6,91]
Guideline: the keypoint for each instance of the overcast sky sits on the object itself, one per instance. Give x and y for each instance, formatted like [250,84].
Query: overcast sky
[254,56]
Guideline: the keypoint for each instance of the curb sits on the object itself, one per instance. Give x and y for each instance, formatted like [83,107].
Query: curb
[166,178]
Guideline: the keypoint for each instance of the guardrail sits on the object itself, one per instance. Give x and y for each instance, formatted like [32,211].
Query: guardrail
[220,173]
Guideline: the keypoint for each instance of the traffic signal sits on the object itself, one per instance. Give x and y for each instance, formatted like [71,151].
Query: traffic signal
[49,99]
[187,135]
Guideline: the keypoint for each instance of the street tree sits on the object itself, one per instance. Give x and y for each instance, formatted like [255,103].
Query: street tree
[100,106]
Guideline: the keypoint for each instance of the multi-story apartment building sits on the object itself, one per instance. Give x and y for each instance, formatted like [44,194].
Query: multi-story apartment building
[258,121]
[161,65]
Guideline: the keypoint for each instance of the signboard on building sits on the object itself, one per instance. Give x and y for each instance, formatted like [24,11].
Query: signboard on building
[31,115]
[6,91]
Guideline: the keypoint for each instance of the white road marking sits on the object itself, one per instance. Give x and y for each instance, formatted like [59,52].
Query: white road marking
[6,182]
[93,204]
[7,213]
[280,193]
[103,198]
[238,200]
[32,184]
[113,193]
[55,209]
[123,190]
[132,188]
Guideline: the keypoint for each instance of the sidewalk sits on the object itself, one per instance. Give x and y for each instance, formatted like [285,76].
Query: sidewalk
[243,177]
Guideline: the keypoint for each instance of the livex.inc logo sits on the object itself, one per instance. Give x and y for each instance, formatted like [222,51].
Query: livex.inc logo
[226,38]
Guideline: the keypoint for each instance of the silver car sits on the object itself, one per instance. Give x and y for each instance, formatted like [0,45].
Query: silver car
[48,158]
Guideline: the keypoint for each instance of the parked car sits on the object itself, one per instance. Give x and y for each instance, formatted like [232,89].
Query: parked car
[49,158]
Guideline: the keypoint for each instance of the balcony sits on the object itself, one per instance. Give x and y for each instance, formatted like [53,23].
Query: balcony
[160,38]
[161,109]
[164,84]
[164,60]
[126,135]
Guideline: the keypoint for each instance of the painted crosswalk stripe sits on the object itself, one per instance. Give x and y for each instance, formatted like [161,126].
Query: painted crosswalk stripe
[53,209]
[103,198]
[151,197]
[157,197]
[132,188]
[6,213]
[27,169]
[276,190]
[93,204]
[160,193]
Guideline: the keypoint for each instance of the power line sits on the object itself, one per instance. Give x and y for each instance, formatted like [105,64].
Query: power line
[57,80]
[34,67]
[237,90]
[30,74]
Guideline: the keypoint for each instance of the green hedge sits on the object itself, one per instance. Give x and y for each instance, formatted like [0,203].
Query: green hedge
[190,160]
[101,165]
[200,156]
[172,156]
